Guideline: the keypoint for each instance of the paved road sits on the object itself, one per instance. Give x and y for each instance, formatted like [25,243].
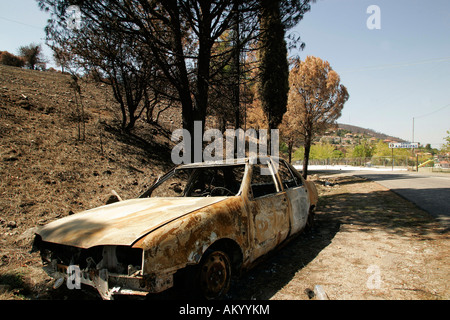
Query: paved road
[430,192]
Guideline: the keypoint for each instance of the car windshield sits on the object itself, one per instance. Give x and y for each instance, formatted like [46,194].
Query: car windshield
[214,181]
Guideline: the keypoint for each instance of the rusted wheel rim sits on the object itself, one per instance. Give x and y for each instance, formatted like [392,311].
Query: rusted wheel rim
[215,275]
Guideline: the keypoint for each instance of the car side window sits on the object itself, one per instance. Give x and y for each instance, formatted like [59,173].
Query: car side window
[296,175]
[287,178]
[262,184]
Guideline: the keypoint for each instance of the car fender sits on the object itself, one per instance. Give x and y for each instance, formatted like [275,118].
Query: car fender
[182,242]
[312,192]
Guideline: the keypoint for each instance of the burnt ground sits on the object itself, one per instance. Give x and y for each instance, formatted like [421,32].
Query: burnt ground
[368,243]
[48,170]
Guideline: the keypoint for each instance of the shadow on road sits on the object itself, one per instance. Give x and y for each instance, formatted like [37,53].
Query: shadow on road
[389,176]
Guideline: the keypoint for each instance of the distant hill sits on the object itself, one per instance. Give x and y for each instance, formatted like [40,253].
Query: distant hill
[368,132]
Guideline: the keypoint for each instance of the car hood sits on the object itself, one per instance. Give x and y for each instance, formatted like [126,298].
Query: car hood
[120,223]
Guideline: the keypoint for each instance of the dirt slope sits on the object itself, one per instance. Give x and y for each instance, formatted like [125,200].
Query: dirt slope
[46,172]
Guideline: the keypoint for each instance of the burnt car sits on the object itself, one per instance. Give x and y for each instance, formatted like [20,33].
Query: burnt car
[199,224]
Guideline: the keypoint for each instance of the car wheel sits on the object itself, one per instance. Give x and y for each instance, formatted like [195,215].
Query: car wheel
[214,274]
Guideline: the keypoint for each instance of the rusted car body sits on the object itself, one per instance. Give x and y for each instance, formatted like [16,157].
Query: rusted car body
[213,221]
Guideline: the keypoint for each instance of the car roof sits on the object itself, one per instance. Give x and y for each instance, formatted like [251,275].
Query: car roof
[227,162]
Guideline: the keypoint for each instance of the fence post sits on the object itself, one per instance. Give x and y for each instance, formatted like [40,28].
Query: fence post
[392,159]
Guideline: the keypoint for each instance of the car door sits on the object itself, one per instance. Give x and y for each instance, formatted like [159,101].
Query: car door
[269,211]
[297,195]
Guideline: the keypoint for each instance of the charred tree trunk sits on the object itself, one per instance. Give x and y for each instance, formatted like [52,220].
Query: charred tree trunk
[306,155]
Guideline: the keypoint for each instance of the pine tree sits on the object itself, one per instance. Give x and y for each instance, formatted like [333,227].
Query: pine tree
[274,68]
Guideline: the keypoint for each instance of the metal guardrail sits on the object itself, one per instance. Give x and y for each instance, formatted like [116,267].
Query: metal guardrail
[438,164]
[388,162]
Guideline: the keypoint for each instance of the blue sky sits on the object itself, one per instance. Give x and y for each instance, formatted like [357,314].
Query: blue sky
[393,74]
